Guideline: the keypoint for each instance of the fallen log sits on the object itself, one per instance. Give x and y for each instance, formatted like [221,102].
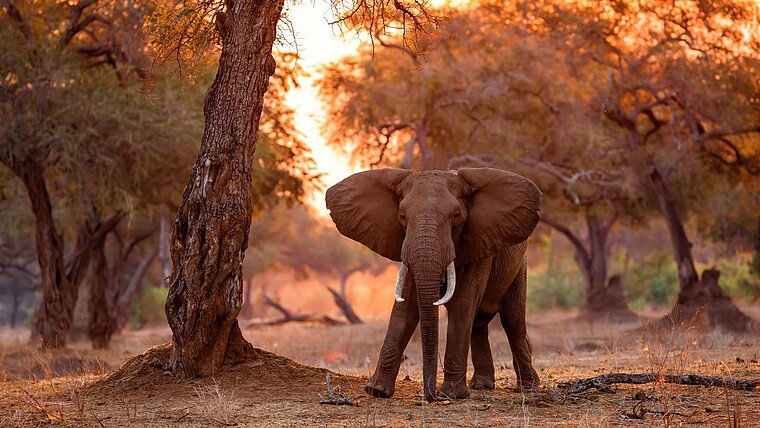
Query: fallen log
[344,306]
[288,316]
[603,382]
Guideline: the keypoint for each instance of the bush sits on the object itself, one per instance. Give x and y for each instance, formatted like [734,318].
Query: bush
[653,280]
[738,280]
[556,285]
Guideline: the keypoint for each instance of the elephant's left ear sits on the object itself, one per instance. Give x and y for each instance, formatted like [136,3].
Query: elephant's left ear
[502,210]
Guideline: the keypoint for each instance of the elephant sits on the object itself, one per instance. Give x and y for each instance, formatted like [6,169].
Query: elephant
[466,228]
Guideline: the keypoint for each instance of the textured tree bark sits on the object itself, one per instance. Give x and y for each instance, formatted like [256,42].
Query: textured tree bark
[210,234]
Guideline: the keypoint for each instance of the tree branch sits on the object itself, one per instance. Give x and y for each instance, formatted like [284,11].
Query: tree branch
[345,307]
[15,15]
[75,25]
[574,239]
[415,58]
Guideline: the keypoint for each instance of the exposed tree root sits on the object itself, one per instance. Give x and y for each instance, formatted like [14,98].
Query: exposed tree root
[603,382]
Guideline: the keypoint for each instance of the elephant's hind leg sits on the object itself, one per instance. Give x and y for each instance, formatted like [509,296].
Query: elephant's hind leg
[482,360]
[512,314]
[404,319]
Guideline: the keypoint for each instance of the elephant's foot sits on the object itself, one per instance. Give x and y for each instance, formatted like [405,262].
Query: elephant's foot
[527,381]
[481,382]
[453,390]
[378,386]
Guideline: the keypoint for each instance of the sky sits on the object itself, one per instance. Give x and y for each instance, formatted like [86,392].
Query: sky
[318,42]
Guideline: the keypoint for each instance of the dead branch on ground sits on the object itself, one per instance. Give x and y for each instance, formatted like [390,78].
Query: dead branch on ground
[345,307]
[603,382]
[338,399]
[288,316]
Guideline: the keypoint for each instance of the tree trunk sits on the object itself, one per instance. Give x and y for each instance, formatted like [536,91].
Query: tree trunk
[700,302]
[247,311]
[210,234]
[595,264]
[53,316]
[123,300]
[16,296]
[602,297]
[118,294]
[163,243]
[99,325]
[687,273]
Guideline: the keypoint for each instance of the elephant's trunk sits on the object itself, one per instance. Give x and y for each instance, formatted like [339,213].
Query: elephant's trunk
[427,294]
[427,262]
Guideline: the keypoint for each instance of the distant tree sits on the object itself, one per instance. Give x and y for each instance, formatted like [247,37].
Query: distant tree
[18,273]
[682,84]
[46,131]
[297,240]
[112,288]
[486,95]
[110,145]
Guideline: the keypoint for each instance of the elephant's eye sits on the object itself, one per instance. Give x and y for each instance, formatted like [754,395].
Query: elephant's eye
[402,218]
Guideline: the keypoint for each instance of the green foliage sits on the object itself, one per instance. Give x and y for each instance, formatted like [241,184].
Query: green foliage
[738,280]
[556,285]
[148,310]
[652,280]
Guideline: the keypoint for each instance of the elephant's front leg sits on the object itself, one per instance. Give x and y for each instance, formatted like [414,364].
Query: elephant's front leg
[461,309]
[457,349]
[404,319]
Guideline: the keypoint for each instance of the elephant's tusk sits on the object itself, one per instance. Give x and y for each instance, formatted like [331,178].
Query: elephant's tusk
[400,282]
[451,284]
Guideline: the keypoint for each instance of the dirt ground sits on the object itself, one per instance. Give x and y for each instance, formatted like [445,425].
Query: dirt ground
[282,382]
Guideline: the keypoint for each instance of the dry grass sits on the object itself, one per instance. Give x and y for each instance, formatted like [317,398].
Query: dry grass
[57,387]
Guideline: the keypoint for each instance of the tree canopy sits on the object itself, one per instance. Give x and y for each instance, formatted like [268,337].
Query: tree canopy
[93,134]
[616,110]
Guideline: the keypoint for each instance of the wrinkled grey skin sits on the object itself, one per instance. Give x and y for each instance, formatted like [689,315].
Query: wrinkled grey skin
[479,218]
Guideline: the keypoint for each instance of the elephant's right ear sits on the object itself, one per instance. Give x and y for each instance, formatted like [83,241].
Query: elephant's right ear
[364,207]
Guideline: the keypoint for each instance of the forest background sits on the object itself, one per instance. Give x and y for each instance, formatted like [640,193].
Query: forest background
[639,122]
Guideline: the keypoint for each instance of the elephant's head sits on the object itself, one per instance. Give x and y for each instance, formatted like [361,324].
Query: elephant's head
[430,221]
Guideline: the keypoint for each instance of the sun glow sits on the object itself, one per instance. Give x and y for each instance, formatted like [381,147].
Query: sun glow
[318,43]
